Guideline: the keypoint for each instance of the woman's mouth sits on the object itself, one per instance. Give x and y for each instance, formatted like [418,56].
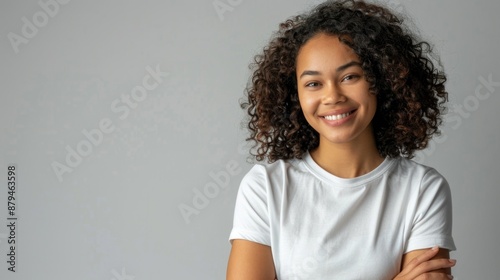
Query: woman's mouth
[338,117]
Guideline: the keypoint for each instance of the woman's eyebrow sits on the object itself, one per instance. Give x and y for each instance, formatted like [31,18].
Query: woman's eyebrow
[339,69]
[310,73]
[347,65]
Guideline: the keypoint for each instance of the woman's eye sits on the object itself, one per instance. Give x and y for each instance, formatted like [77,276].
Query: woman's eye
[350,77]
[312,84]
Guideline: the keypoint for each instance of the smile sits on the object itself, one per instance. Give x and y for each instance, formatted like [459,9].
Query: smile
[338,117]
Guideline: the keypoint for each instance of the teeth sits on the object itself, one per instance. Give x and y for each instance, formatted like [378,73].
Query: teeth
[337,117]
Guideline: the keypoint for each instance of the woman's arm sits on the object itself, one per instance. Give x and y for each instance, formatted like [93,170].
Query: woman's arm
[431,263]
[250,261]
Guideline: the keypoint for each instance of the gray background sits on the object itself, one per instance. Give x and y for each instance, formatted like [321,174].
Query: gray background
[116,215]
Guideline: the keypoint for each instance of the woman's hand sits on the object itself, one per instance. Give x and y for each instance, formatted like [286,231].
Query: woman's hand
[425,267]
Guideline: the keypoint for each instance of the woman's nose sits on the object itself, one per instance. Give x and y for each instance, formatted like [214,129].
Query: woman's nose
[333,94]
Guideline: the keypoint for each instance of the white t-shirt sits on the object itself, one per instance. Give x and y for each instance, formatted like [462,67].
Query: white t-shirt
[320,226]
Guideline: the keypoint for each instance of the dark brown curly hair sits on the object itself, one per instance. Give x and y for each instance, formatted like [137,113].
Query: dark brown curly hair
[399,68]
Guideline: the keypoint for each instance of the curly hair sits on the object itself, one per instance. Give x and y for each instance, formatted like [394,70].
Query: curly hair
[399,68]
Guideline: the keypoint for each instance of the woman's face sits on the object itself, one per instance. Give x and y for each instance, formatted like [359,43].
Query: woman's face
[333,92]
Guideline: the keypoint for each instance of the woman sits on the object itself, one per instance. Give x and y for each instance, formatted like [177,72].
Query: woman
[340,100]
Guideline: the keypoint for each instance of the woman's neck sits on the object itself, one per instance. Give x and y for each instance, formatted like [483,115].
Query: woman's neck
[347,160]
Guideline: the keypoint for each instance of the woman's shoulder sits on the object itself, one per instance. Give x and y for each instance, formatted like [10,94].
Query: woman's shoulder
[277,166]
[418,172]
[265,172]
[411,165]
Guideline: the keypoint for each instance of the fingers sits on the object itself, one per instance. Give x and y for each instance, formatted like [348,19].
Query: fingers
[424,264]
[429,266]
[434,276]
[432,265]
[427,255]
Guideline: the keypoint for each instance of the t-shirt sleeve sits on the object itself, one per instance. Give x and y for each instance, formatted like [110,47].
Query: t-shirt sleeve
[432,224]
[251,214]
